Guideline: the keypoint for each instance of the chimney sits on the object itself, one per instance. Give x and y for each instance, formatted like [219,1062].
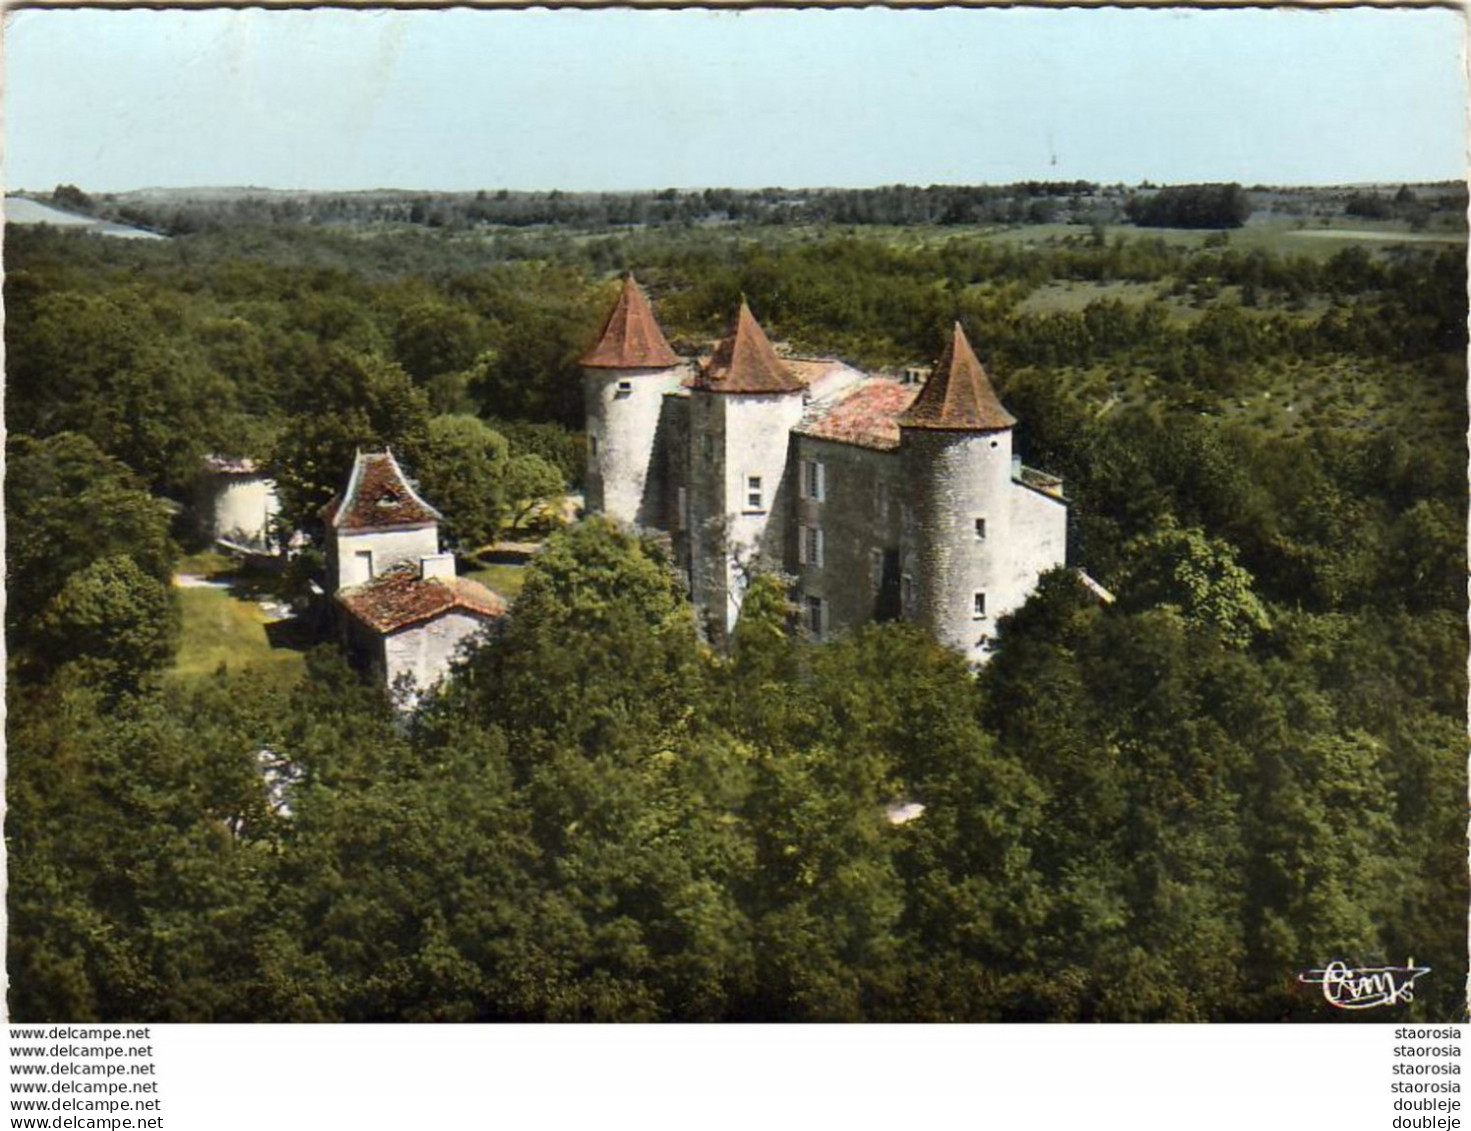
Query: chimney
[433,566]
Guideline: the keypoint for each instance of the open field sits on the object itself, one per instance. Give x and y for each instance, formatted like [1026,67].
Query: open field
[230,620]
[221,629]
[1073,296]
[1319,240]
[504,578]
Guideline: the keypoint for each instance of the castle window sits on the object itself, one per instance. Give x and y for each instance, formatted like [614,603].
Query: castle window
[816,616]
[814,480]
[755,498]
[809,546]
[906,592]
[980,606]
[876,569]
[592,442]
[625,388]
[980,529]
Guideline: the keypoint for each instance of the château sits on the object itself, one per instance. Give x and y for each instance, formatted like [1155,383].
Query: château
[885,496]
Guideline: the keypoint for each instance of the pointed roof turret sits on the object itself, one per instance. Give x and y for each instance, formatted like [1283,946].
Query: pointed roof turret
[378,497]
[631,338]
[745,362]
[958,396]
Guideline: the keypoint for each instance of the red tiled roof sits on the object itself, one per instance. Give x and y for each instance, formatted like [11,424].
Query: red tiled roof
[378,497]
[810,369]
[400,598]
[231,465]
[867,414]
[631,338]
[958,396]
[746,362]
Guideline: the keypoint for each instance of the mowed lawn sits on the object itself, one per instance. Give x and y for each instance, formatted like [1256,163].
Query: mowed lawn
[504,578]
[220,629]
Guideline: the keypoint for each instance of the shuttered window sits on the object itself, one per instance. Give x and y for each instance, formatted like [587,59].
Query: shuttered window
[817,616]
[816,480]
[809,546]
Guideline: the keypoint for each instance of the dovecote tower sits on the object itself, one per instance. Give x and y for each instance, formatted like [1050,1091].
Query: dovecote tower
[744,402]
[378,523]
[958,567]
[625,377]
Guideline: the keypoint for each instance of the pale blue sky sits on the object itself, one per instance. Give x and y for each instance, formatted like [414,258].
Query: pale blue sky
[465,99]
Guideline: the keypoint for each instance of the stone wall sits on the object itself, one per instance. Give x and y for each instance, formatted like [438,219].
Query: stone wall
[758,441]
[673,450]
[423,653]
[389,548]
[859,516]
[1039,536]
[707,534]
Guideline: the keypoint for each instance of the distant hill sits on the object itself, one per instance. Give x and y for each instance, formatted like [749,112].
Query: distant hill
[1430,211]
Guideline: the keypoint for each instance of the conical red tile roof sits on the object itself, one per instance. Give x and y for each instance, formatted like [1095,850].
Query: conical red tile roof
[631,338]
[378,497]
[745,362]
[958,396]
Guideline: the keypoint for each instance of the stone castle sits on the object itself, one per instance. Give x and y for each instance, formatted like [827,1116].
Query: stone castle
[883,496]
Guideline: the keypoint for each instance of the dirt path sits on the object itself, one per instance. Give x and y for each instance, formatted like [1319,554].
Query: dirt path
[195,581]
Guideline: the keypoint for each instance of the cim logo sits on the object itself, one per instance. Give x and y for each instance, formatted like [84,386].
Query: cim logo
[1368,987]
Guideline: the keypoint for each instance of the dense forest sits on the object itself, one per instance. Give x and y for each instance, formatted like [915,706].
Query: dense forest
[1163,808]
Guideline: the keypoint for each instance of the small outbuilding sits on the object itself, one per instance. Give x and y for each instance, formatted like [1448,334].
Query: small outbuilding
[405,614]
[410,625]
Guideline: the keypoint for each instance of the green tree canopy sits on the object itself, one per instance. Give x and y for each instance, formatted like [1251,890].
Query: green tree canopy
[68,506]
[112,622]
[463,472]
[529,483]
[355,402]
[1185,570]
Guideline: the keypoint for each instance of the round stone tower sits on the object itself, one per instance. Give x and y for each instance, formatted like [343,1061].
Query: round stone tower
[625,377]
[956,571]
[744,403]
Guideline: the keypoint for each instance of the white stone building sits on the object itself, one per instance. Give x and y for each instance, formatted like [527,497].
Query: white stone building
[404,611]
[882,496]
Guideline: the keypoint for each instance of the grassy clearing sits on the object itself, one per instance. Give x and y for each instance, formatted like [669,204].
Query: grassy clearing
[1283,236]
[504,578]
[206,563]
[1074,296]
[220,629]
[1071,297]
